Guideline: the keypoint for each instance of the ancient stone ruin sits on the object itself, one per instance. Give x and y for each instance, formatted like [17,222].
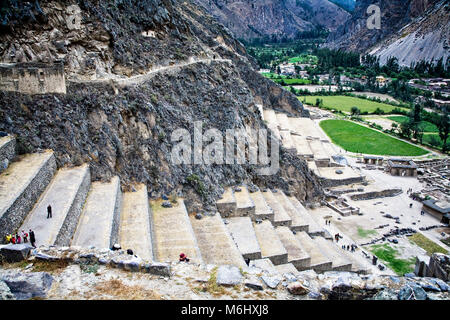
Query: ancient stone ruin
[33,77]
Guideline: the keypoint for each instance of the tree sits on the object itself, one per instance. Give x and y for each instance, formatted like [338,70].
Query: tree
[355,111]
[405,129]
[444,128]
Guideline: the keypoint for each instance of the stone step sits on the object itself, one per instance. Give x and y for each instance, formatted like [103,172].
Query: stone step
[99,221]
[328,147]
[262,210]
[283,122]
[271,120]
[357,265]
[7,151]
[313,166]
[313,227]
[244,203]
[173,233]
[318,150]
[287,141]
[319,262]
[286,268]
[280,218]
[21,186]
[215,243]
[302,147]
[330,250]
[66,194]
[135,228]
[227,205]
[304,127]
[242,232]
[264,264]
[271,246]
[296,254]
[298,223]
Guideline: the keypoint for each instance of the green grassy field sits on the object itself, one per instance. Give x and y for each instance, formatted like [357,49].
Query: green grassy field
[304,59]
[292,81]
[345,103]
[426,126]
[389,255]
[359,139]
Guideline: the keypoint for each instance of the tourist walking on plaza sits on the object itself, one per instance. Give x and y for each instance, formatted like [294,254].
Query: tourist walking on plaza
[49,211]
[32,238]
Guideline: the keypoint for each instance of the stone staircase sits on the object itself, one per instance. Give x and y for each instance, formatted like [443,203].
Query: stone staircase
[99,222]
[265,226]
[173,233]
[215,242]
[66,194]
[135,229]
[300,136]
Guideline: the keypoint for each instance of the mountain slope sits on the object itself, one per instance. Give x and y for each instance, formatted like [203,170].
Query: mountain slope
[275,19]
[128,92]
[399,18]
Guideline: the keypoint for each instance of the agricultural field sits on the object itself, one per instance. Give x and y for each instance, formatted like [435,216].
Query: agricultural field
[305,59]
[359,139]
[345,103]
[426,126]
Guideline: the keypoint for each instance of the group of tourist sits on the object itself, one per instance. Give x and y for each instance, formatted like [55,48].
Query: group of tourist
[351,247]
[23,238]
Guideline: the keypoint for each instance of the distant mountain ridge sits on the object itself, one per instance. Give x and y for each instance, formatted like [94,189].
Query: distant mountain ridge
[275,19]
[411,30]
[348,5]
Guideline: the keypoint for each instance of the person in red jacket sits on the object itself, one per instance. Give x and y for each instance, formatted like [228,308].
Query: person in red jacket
[183,258]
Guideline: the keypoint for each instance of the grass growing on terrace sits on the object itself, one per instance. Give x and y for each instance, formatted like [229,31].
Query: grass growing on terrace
[345,103]
[359,139]
[363,233]
[429,246]
[389,255]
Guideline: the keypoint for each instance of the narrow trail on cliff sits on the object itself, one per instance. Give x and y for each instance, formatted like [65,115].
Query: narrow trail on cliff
[138,79]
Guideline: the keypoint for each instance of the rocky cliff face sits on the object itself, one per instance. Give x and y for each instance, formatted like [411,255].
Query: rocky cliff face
[137,71]
[258,19]
[425,38]
[411,30]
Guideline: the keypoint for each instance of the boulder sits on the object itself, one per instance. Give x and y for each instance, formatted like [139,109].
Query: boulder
[254,284]
[28,285]
[386,294]
[160,269]
[297,288]
[412,291]
[440,266]
[271,282]
[5,292]
[15,252]
[228,276]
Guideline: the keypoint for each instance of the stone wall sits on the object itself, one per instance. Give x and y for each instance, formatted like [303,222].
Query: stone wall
[7,153]
[33,78]
[328,183]
[376,194]
[13,218]
[116,219]
[70,223]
